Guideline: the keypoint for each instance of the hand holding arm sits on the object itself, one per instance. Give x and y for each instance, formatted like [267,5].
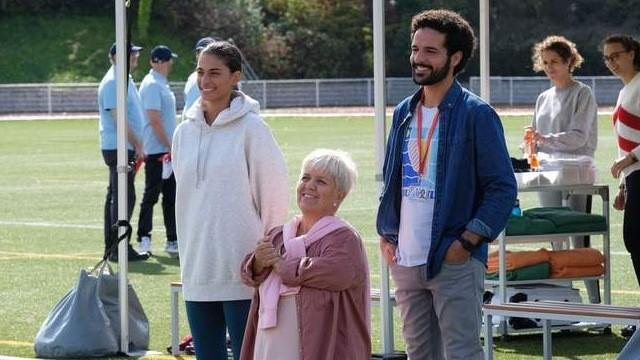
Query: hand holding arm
[621,163]
[266,256]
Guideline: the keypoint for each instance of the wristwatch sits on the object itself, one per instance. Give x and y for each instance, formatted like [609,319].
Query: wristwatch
[467,244]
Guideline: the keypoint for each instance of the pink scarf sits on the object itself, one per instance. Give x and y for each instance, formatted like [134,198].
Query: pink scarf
[295,247]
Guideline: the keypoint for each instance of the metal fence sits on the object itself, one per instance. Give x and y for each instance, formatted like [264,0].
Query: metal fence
[79,98]
[518,90]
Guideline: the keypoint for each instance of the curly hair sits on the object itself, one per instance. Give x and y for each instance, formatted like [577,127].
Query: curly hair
[562,46]
[458,33]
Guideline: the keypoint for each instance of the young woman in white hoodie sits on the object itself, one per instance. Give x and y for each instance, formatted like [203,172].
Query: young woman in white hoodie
[231,186]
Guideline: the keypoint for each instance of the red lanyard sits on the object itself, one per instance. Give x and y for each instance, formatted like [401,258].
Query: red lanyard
[424,155]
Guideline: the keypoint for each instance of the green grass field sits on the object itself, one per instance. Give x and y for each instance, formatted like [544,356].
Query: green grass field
[51,196]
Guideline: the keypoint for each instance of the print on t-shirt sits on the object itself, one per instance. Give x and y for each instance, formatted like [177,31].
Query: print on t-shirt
[418,191]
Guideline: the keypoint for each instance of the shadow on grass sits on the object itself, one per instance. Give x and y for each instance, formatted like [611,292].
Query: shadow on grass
[168,260]
[156,265]
[569,344]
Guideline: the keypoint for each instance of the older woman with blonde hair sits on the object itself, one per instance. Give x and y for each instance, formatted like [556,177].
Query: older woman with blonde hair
[311,275]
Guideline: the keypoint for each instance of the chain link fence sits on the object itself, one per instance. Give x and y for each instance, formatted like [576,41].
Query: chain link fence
[82,98]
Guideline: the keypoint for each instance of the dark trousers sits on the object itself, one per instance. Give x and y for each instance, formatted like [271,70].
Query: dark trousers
[630,223]
[209,321]
[154,185]
[111,201]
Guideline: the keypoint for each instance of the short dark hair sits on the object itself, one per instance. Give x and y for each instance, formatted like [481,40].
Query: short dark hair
[227,52]
[458,33]
[628,43]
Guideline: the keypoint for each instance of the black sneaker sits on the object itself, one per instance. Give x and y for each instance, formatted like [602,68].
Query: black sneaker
[133,256]
[136,256]
[628,331]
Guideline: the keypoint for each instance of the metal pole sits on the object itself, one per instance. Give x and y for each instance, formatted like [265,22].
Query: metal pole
[380,139]
[485,85]
[49,100]
[122,78]
[264,94]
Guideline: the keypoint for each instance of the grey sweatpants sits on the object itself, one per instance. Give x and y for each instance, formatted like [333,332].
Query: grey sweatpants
[441,317]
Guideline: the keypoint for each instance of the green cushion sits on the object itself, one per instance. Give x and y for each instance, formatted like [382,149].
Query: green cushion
[525,225]
[566,220]
[533,272]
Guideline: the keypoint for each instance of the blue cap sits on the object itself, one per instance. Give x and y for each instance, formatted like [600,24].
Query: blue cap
[162,53]
[202,43]
[132,48]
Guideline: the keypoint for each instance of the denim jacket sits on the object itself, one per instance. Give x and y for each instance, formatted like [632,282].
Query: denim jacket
[475,185]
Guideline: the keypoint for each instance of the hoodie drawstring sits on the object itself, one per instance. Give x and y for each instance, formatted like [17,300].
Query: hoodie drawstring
[198,169]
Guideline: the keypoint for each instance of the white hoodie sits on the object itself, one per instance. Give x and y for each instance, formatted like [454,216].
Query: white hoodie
[231,187]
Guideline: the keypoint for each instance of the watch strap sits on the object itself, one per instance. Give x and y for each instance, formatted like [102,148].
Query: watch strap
[467,244]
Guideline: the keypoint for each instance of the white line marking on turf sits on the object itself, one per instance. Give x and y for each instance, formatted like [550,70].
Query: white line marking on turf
[48,224]
[67,226]
[23,255]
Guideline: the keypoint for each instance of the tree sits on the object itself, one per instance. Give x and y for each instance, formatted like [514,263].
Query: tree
[323,38]
[144,15]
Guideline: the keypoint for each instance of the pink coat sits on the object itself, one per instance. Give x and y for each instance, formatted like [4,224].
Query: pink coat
[333,320]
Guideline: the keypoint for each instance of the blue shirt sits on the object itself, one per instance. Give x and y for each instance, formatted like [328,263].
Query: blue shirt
[157,95]
[191,92]
[475,187]
[107,110]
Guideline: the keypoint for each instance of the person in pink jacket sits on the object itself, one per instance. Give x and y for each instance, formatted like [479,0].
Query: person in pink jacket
[311,278]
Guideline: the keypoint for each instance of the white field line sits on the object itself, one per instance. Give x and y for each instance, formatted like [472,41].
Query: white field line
[64,226]
[9,255]
[49,224]
[99,227]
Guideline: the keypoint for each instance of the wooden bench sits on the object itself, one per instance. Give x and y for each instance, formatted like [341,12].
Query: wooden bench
[556,310]
[176,289]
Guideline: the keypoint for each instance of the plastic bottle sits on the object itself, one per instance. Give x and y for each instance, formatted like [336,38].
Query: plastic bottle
[516,211]
[530,149]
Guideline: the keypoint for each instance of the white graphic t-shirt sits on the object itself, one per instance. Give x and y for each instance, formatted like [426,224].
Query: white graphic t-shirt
[418,190]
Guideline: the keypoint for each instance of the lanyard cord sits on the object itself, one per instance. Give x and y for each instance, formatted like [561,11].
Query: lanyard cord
[423,155]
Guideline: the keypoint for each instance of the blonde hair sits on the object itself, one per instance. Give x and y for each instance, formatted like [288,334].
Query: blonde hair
[336,163]
[562,46]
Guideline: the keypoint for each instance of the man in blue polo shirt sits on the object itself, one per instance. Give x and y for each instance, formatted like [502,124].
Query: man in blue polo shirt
[108,144]
[159,104]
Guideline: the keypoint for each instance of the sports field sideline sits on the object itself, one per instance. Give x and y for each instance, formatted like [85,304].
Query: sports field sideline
[51,195]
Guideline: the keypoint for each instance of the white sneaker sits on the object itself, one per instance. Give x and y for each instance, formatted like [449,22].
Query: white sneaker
[171,247]
[145,245]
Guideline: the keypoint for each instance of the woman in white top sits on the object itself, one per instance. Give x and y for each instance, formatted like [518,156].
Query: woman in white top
[565,121]
[231,186]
